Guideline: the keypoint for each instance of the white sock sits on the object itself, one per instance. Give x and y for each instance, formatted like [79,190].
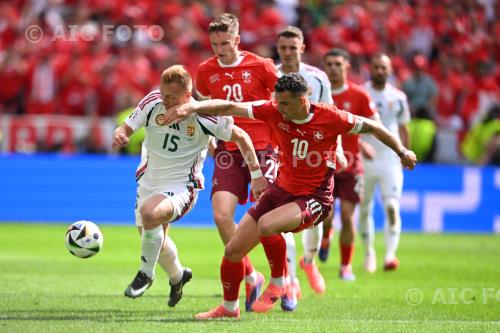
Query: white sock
[366,226]
[152,241]
[291,254]
[169,261]
[392,233]
[279,281]
[251,278]
[231,305]
[311,240]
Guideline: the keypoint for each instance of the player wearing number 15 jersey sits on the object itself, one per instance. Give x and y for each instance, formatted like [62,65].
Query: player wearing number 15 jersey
[170,174]
[238,76]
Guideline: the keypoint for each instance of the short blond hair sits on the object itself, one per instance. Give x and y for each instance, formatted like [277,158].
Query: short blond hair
[178,74]
[226,22]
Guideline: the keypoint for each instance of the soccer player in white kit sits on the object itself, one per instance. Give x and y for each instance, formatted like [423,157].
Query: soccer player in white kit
[170,174]
[384,169]
[290,48]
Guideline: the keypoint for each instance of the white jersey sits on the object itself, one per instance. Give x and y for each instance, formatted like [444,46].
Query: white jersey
[174,154]
[317,80]
[392,106]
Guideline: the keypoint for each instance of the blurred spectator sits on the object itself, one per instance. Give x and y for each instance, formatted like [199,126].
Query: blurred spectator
[421,88]
[482,143]
[422,130]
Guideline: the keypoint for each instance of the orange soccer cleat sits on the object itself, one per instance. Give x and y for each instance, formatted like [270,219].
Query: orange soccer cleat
[391,265]
[253,291]
[314,276]
[218,312]
[268,299]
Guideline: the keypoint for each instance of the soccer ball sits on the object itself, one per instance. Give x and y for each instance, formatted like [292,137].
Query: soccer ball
[84,239]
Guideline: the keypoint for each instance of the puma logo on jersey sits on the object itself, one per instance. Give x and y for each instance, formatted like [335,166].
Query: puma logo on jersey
[300,132]
[230,75]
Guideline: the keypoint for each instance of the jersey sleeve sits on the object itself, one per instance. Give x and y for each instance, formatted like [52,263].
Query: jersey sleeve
[368,108]
[139,117]
[201,86]
[404,113]
[270,74]
[326,88]
[261,110]
[346,122]
[219,126]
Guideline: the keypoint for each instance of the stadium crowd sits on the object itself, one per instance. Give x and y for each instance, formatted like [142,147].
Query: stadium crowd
[98,57]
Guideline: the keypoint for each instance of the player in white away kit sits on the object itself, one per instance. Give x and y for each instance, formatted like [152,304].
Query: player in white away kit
[384,169]
[170,174]
[290,48]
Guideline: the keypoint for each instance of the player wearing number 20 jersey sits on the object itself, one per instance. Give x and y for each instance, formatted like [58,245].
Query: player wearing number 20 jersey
[249,78]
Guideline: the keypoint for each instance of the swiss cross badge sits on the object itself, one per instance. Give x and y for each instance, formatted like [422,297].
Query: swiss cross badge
[247,76]
[318,135]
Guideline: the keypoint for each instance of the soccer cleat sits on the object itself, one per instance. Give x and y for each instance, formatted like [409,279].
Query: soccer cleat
[289,299]
[268,299]
[370,263]
[391,265]
[139,285]
[324,249]
[315,278]
[218,312]
[253,291]
[176,289]
[346,273]
[296,288]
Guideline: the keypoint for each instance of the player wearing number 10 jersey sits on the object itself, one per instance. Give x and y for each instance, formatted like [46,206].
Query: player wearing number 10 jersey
[238,76]
[303,191]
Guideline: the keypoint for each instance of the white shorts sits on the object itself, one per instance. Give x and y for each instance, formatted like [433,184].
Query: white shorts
[182,197]
[389,177]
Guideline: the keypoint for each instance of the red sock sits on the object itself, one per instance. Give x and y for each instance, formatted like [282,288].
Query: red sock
[275,248]
[231,275]
[346,252]
[248,265]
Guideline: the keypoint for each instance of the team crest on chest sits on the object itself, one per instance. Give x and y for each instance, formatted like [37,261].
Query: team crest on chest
[246,76]
[214,78]
[284,127]
[190,130]
[159,119]
[318,135]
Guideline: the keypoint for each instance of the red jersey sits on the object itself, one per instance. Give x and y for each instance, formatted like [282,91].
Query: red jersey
[306,146]
[250,78]
[355,100]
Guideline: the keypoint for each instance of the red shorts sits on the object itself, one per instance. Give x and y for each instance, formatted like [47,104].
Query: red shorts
[348,186]
[231,173]
[314,209]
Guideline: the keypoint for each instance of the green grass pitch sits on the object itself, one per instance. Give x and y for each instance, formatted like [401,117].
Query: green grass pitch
[446,283]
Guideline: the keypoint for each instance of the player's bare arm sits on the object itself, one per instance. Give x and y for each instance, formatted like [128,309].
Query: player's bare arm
[121,135]
[214,107]
[408,158]
[259,182]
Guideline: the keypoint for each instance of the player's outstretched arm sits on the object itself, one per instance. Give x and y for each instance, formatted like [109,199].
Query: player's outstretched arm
[214,107]
[121,135]
[259,182]
[408,158]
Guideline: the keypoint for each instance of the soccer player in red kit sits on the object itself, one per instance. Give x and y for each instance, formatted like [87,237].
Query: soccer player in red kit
[349,182]
[302,194]
[238,76]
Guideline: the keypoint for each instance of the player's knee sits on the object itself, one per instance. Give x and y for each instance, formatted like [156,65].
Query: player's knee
[266,227]
[222,219]
[232,252]
[148,217]
[392,210]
